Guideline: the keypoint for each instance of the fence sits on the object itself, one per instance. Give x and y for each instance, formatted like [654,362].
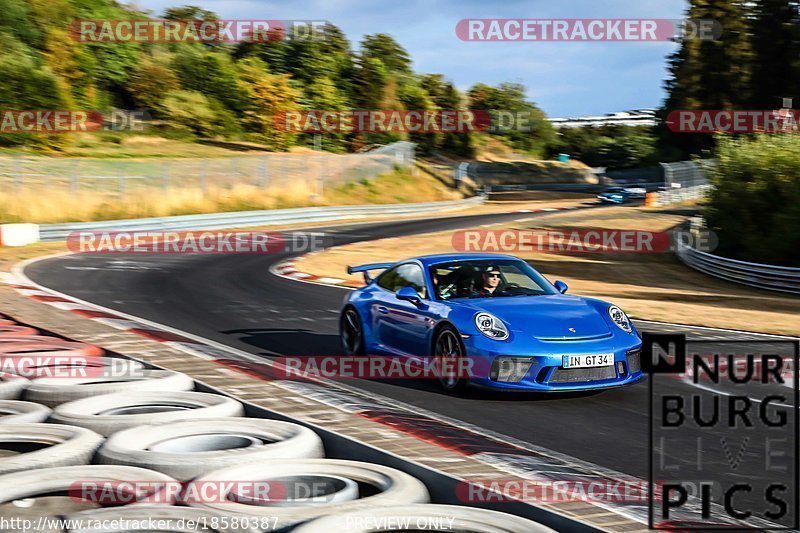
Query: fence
[683,181]
[34,173]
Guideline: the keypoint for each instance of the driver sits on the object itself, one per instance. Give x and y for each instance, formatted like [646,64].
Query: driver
[490,278]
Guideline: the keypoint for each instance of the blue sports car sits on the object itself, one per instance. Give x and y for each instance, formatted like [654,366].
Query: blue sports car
[614,195]
[517,330]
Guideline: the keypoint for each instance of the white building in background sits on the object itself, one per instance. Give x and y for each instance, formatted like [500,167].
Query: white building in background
[634,117]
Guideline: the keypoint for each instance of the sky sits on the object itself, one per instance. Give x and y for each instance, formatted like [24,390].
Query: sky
[564,79]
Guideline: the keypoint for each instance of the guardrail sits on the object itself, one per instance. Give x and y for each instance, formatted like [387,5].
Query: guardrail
[57,232]
[770,277]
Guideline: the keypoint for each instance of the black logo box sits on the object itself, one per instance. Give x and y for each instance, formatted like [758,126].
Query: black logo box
[678,366]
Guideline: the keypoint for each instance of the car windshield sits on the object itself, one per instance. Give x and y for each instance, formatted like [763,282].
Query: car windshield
[615,189]
[485,279]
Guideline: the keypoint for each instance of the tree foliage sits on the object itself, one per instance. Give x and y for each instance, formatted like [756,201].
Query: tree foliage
[755,205]
[223,89]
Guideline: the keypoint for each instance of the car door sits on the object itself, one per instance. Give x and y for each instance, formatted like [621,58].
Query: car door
[402,327]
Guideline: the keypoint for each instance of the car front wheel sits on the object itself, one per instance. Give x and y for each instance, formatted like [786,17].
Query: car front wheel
[448,349]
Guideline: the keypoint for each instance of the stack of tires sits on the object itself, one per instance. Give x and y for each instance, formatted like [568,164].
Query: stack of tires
[125,449]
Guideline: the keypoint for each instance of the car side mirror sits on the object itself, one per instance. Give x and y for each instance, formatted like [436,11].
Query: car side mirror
[561,286]
[408,294]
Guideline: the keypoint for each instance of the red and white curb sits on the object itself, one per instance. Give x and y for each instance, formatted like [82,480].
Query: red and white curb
[287,269]
[110,318]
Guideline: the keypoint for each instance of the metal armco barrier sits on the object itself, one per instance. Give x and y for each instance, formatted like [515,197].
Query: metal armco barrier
[242,219]
[770,277]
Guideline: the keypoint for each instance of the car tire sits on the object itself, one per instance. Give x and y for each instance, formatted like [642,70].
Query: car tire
[49,445]
[447,344]
[106,414]
[172,518]
[12,385]
[387,486]
[185,457]
[55,391]
[351,332]
[464,520]
[18,412]
[63,479]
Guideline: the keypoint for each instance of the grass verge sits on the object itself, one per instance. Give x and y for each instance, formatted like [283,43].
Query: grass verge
[43,206]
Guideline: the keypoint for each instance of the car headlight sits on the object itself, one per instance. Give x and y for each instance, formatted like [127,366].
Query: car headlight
[491,326]
[619,318]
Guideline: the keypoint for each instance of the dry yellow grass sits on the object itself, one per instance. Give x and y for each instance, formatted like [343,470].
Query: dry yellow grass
[60,205]
[653,286]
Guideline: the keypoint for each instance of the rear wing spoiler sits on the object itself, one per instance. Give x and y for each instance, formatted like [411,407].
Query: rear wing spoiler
[366,268]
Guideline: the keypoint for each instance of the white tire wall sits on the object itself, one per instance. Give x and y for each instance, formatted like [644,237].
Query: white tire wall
[55,391]
[18,412]
[35,483]
[11,386]
[391,487]
[102,413]
[65,445]
[190,448]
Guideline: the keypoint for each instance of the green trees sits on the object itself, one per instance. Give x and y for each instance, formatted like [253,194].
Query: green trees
[232,89]
[776,52]
[609,146]
[755,204]
[752,65]
[529,132]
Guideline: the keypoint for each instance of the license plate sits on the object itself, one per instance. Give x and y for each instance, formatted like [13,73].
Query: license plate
[588,361]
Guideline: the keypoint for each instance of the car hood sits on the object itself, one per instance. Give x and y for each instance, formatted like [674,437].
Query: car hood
[548,317]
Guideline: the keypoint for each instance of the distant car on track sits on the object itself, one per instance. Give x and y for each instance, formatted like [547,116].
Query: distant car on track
[518,330]
[614,195]
[636,190]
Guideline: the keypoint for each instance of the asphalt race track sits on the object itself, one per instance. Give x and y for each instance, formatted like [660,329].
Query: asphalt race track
[235,300]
